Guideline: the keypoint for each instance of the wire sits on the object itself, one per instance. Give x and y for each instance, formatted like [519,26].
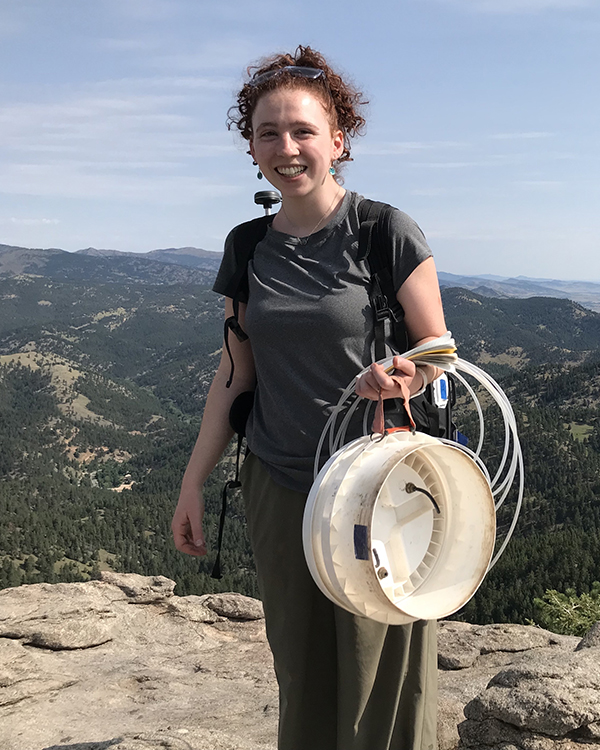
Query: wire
[410,488]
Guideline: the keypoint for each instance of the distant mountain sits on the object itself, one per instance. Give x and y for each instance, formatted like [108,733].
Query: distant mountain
[96,252]
[516,332]
[192,265]
[192,257]
[585,292]
[103,266]
[19,260]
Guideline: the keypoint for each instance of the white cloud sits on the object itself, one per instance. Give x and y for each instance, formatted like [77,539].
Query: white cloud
[387,149]
[131,44]
[543,185]
[448,233]
[166,83]
[232,11]
[223,13]
[392,148]
[28,222]
[145,10]
[231,54]
[520,6]
[67,180]
[526,135]
[431,192]
[10,26]
[112,122]
[455,164]
[134,138]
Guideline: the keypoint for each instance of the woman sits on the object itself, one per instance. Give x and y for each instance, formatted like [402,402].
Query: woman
[346,683]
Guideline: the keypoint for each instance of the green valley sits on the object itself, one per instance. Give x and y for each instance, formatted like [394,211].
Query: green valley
[102,385]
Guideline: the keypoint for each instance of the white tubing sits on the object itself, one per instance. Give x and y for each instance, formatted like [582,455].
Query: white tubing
[473,395]
[511,462]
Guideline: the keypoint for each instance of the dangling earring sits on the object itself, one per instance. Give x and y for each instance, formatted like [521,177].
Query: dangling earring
[332,170]
[259,174]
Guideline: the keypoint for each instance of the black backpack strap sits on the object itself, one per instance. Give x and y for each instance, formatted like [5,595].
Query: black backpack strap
[233,484]
[388,316]
[245,239]
[374,247]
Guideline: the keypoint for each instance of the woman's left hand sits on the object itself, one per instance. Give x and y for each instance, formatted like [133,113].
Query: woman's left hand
[376,380]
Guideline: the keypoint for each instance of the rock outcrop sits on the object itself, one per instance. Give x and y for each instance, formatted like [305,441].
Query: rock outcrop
[123,663]
[515,687]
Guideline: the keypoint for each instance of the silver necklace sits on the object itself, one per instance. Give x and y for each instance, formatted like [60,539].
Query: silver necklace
[304,240]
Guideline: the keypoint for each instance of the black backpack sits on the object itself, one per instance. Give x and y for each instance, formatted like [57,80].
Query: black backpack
[388,320]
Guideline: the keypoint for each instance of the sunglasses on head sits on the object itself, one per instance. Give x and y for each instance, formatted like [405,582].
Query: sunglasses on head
[293,70]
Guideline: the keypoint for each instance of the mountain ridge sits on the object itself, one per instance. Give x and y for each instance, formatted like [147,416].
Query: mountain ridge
[200,266]
[104,266]
[586,293]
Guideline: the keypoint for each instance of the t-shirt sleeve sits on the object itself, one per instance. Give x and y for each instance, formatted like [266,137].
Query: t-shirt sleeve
[227,269]
[409,247]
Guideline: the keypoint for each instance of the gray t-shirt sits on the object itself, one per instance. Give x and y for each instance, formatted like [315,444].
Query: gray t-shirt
[310,326]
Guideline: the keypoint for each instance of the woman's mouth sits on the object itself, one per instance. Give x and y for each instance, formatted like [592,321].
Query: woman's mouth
[290,171]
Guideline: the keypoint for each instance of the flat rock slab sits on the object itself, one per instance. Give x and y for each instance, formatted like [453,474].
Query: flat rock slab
[460,645]
[123,663]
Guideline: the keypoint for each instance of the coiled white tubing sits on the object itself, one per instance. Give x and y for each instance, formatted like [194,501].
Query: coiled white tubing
[511,464]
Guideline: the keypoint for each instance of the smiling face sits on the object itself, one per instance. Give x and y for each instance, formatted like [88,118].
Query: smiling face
[293,143]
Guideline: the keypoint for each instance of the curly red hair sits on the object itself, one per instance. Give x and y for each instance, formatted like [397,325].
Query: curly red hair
[341,100]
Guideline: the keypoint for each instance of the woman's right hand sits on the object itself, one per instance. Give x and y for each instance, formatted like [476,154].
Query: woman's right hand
[187,522]
[375,382]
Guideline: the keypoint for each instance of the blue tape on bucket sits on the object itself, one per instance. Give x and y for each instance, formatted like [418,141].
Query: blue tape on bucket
[460,438]
[361,542]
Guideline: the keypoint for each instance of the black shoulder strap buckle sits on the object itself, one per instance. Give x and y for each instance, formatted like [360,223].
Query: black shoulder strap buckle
[379,303]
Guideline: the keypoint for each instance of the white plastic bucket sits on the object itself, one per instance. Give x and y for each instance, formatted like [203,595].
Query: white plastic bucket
[374,541]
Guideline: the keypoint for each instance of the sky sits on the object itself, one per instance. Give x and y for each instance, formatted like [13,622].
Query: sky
[483,122]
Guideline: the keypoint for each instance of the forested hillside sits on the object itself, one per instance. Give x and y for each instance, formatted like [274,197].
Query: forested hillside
[101,390]
[557,542]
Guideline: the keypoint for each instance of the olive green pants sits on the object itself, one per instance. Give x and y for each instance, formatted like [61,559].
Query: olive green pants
[345,682]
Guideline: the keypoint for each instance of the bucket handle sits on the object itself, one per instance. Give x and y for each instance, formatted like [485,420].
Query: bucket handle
[378,426]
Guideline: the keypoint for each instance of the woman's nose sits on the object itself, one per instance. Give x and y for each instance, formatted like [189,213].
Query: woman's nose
[287,145]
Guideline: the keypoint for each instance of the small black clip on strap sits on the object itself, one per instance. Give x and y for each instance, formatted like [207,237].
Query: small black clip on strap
[381,308]
[232,324]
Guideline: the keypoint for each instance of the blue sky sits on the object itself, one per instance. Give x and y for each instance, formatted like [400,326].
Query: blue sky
[483,123]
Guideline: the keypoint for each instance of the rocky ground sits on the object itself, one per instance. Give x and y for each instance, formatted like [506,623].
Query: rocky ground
[122,663]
